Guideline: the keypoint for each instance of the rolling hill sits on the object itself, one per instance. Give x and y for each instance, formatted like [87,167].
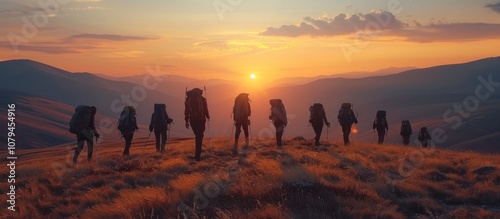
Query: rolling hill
[421,95]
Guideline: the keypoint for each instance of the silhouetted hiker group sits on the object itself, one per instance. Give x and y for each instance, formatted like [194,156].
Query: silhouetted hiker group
[196,115]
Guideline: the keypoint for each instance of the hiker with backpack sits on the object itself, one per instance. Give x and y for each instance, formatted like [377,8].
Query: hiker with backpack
[196,115]
[346,118]
[381,125]
[406,131]
[127,124]
[279,119]
[316,118]
[82,124]
[241,112]
[424,137]
[159,123]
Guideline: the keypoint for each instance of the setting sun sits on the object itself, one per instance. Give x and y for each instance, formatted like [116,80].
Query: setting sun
[252,76]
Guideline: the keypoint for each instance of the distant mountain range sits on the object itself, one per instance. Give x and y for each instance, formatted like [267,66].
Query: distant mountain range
[47,96]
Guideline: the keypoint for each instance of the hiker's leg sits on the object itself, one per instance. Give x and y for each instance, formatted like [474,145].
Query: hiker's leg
[245,129]
[279,136]
[163,139]
[79,146]
[279,132]
[406,139]
[157,138]
[318,128]
[128,142]
[198,129]
[347,130]
[238,130]
[90,148]
[381,136]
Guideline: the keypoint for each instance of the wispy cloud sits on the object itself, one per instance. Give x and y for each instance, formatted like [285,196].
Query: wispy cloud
[110,37]
[450,32]
[48,47]
[79,43]
[11,10]
[88,8]
[494,6]
[342,24]
[386,24]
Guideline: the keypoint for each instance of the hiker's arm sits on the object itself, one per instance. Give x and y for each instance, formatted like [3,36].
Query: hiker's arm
[186,112]
[326,120]
[285,119]
[374,124]
[92,127]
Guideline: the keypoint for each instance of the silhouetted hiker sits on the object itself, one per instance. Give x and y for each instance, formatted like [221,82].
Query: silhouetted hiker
[406,131]
[241,112]
[316,117]
[82,124]
[278,116]
[196,115]
[424,137]
[381,125]
[127,124]
[159,123]
[346,118]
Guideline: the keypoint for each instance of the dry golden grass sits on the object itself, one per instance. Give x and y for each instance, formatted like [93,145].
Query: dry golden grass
[298,181]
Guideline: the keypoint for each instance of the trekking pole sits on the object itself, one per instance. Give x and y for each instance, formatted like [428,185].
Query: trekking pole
[168,134]
[96,140]
[373,135]
[250,129]
[327,129]
[232,131]
[206,97]
[386,137]
[143,147]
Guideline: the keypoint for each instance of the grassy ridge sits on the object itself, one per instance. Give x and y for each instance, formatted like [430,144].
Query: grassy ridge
[298,181]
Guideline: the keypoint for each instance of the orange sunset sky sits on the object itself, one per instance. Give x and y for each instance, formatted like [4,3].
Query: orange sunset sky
[233,38]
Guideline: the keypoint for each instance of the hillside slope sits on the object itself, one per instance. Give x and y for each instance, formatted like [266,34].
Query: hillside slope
[298,181]
[422,96]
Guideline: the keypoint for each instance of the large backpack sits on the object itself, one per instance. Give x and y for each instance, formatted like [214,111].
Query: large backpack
[345,114]
[160,116]
[80,119]
[278,110]
[241,108]
[406,128]
[194,104]
[316,112]
[380,120]
[127,120]
[424,134]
